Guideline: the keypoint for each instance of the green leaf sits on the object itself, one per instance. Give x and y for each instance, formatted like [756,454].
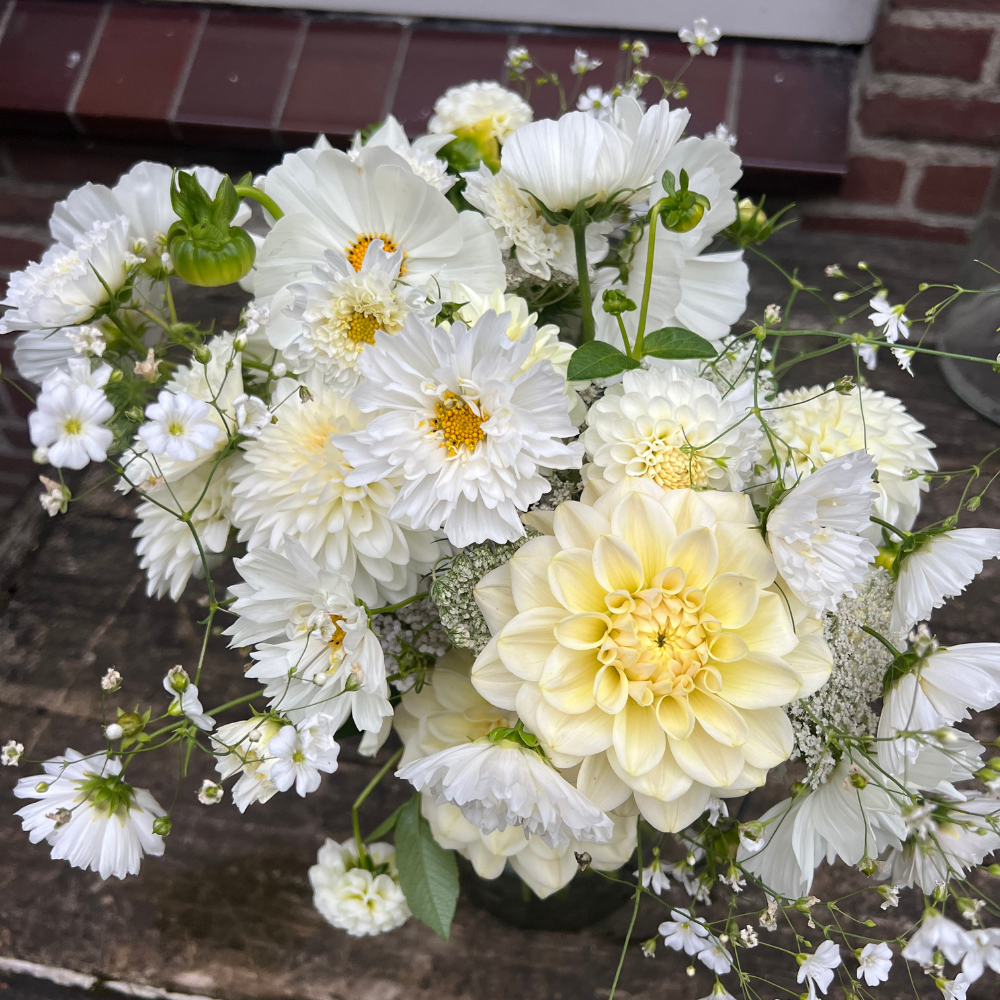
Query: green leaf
[598,360]
[674,343]
[389,823]
[428,874]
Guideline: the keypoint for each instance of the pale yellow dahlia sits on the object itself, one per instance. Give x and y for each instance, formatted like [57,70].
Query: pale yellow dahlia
[645,640]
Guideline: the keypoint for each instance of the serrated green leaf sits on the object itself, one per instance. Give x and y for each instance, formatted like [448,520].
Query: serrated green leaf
[674,343]
[428,874]
[598,360]
[388,824]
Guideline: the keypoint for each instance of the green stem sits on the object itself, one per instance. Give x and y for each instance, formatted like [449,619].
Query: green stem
[587,327]
[882,639]
[621,326]
[401,604]
[246,191]
[654,218]
[215,711]
[635,913]
[359,802]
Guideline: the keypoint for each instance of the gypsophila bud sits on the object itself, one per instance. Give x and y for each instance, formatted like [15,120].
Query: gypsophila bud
[40,456]
[833,271]
[131,723]
[649,948]
[114,731]
[240,342]
[304,394]
[162,825]
[210,793]
[11,753]
[42,787]
[178,679]
[841,296]
[202,355]
[279,370]
[690,970]
[111,681]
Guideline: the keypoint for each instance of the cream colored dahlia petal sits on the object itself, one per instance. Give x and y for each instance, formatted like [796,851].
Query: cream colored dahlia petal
[697,553]
[648,529]
[567,680]
[770,630]
[542,875]
[494,597]
[728,648]
[742,550]
[732,599]
[639,741]
[759,681]
[769,740]
[571,577]
[585,631]
[493,680]
[666,781]
[677,813]
[598,781]
[811,660]
[718,718]
[675,716]
[572,735]
[577,525]
[611,688]
[706,760]
[616,565]
[688,509]
[529,583]
[526,641]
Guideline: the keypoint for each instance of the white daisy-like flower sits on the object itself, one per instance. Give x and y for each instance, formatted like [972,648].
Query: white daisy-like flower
[177,426]
[701,38]
[420,155]
[77,371]
[293,483]
[814,532]
[596,102]
[186,702]
[501,784]
[683,933]
[11,753]
[578,158]
[350,897]
[672,428]
[69,423]
[823,425]
[937,933]
[302,754]
[891,319]
[211,792]
[818,967]
[486,109]
[942,567]
[89,815]
[875,963]
[468,431]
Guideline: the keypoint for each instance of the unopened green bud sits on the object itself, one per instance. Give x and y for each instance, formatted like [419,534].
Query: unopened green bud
[116,376]
[617,302]
[304,394]
[844,385]
[994,762]
[43,786]
[859,780]
[994,870]
[202,355]
[974,503]
[162,825]
[985,774]
[749,212]
[132,723]
[682,209]
[135,414]
[940,893]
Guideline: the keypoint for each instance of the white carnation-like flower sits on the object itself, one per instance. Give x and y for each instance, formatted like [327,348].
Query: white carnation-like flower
[89,815]
[69,423]
[814,532]
[350,897]
[486,109]
[420,155]
[466,432]
[294,483]
[672,428]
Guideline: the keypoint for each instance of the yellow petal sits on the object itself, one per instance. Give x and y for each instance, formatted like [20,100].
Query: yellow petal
[732,599]
[727,647]
[707,760]
[598,781]
[688,509]
[742,550]
[677,813]
[616,566]
[675,716]
[582,631]
[529,574]
[571,578]
[455,690]
[646,526]
[695,552]
[733,507]
[567,682]
[527,639]
[718,718]
[770,630]
[493,680]
[758,681]
[811,660]
[493,595]
[578,526]
[540,520]
[639,741]
[769,739]
[575,735]
[611,689]
[665,781]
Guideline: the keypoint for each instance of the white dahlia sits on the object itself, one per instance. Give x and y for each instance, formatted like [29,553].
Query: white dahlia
[293,483]
[461,427]
[420,155]
[673,428]
[486,109]
[644,639]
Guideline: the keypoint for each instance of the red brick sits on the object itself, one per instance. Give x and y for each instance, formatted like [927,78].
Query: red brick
[25,209]
[935,120]
[953,189]
[15,252]
[938,51]
[872,179]
[900,228]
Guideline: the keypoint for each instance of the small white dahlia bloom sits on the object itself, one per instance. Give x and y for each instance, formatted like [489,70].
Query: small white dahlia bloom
[672,428]
[69,422]
[815,532]
[462,426]
[301,755]
[486,109]
[937,933]
[293,483]
[91,818]
[177,426]
[350,897]
[186,702]
[940,568]
[501,784]
[420,155]
[818,967]
[875,963]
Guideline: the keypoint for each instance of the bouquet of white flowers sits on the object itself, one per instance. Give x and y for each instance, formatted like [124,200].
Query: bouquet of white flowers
[498,473]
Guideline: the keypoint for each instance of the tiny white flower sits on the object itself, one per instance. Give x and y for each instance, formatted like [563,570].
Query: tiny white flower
[186,701]
[719,992]
[722,133]
[149,369]
[772,314]
[818,967]
[279,370]
[869,355]
[716,957]
[904,359]
[252,415]
[890,896]
[87,340]
[938,933]
[111,681]
[40,456]
[957,988]
[654,877]
[114,731]
[700,38]
[210,793]
[875,963]
[11,753]
[55,498]
[683,933]
[833,271]
[752,837]
[69,422]
[301,754]
[749,937]
[716,808]
[984,950]
[595,101]
[582,63]
[167,262]
[640,50]
[769,918]
[177,426]
[733,880]
[892,318]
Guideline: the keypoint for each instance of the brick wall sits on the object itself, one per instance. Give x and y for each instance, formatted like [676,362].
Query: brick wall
[925,123]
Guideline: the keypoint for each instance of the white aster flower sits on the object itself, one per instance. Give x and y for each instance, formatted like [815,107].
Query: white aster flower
[11,753]
[891,318]
[252,415]
[496,785]
[716,957]
[56,497]
[485,109]
[814,532]
[942,567]
[177,426]
[938,933]
[701,38]
[672,428]
[875,963]
[984,950]
[596,102]
[185,702]
[89,816]
[87,340]
[467,431]
[293,483]
[350,897]
[302,754]
[420,155]
[69,422]
[241,748]
[682,932]
[211,792]
[578,158]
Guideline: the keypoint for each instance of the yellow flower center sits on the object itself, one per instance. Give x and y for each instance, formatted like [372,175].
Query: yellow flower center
[361,328]
[460,424]
[670,468]
[339,635]
[357,250]
[176,429]
[72,426]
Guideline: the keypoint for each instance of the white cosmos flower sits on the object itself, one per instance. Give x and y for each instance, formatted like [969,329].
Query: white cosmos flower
[485,109]
[578,158]
[350,897]
[302,754]
[293,483]
[186,702]
[177,426]
[465,429]
[241,748]
[937,933]
[701,38]
[875,963]
[90,817]
[814,531]
[683,933]
[69,422]
[419,155]
[818,967]
[891,318]
[942,567]
[501,784]
[672,428]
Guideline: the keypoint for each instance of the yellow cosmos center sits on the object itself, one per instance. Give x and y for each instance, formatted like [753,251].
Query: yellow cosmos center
[361,328]
[459,423]
[357,250]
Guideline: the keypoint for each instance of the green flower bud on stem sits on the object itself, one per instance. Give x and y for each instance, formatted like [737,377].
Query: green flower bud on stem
[162,825]
[682,209]
[617,302]
[132,723]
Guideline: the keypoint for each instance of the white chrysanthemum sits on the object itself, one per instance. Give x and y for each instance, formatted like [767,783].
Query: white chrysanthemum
[241,748]
[825,425]
[334,204]
[350,897]
[940,568]
[420,155]
[814,532]
[643,637]
[69,423]
[672,428]
[483,108]
[293,483]
[341,308]
[166,548]
[90,816]
[465,429]
[578,158]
